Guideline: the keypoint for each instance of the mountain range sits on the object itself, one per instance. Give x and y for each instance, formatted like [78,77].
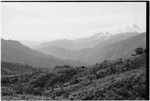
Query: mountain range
[106,46]
[83,51]
[15,52]
[92,41]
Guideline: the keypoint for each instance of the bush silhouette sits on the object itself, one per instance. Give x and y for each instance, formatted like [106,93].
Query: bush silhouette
[139,51]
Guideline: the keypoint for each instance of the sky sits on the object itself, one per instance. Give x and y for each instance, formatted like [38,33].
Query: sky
[70,20]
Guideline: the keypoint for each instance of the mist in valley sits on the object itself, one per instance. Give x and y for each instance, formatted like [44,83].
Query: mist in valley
[74,51]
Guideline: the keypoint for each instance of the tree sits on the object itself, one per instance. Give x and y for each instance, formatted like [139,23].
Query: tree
[139,51]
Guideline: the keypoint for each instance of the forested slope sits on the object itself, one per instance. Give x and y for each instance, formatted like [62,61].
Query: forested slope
[123,79]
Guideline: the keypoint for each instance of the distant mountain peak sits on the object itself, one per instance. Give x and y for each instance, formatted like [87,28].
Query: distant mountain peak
[107,35]
[125,28]
[98,34]
[130,27]
[104,35]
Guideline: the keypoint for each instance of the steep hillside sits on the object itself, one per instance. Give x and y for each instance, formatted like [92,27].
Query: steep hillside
[13,51]
[120,49]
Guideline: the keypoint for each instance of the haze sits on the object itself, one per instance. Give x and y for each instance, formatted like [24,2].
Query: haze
[51,21]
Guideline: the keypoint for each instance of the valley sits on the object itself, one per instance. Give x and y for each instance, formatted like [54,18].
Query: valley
[113,69]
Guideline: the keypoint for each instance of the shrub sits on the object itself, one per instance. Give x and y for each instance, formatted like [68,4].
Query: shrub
[139,51]
[74,81]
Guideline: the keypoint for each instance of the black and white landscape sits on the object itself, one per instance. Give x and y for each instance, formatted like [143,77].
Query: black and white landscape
[73,51]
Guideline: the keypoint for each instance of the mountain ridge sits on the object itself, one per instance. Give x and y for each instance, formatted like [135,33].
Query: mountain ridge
[13,51]
[93,40]
[97,51]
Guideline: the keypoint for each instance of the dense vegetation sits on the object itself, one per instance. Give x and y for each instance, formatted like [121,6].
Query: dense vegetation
[108,80]
[14,68]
